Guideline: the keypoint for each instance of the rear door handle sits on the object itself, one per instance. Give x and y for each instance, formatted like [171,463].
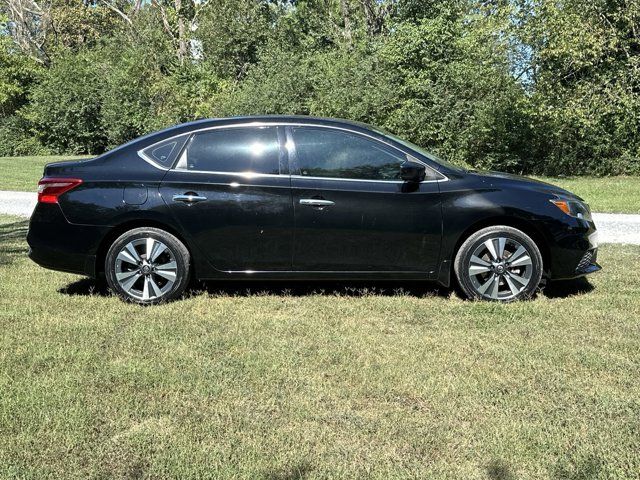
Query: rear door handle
[315,202]
[189,198]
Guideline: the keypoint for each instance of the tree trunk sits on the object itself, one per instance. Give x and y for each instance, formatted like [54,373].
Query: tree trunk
[344,10]
[182,37]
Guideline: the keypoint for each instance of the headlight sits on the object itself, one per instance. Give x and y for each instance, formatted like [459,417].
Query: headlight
[573,208]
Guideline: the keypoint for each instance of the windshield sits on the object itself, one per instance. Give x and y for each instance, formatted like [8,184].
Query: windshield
[420,150]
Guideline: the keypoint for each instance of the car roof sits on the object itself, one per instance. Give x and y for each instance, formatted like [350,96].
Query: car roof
[304,119]
[185,128]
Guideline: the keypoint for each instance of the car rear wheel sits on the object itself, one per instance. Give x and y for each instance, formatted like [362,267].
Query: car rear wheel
[147,265]
[498,263]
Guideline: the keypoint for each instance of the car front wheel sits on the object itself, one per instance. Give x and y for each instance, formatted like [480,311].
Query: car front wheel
[147,265]
[498,263]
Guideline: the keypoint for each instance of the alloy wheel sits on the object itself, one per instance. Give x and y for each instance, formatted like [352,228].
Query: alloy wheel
[146,268]
[500,268]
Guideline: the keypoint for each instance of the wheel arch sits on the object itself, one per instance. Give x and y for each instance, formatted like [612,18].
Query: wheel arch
[526,226]
[125,226]
[521,224]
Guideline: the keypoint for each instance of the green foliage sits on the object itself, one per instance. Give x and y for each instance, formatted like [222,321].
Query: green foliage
[586,59]
[65,107]
[530,87]
[231,32]
[80,24]
[280,83]
[353,84]
[17,139]
[453,94]
[17,72]
[134,71]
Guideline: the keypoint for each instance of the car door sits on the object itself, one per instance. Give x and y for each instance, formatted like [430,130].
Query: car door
[352,211]
[230,192]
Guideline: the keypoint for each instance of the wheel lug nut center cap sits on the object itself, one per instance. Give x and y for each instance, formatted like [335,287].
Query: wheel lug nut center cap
[146,269]
[500,269]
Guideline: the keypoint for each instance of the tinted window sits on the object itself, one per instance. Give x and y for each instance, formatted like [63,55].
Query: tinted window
[324,152]
[165,152]
[251,149]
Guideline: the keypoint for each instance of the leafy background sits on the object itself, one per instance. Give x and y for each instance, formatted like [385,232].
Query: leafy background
[527,86]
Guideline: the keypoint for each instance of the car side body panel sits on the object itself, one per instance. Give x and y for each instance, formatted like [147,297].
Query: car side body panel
[377,226]
[244,225]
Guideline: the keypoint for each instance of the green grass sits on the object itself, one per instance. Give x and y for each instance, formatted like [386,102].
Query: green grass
[260,383]
[23,173]
[609,194]
[606,194]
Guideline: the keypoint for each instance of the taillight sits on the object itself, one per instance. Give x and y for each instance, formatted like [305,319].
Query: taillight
[50,188]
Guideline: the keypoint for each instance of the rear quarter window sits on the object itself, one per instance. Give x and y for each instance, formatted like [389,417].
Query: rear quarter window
[165,152]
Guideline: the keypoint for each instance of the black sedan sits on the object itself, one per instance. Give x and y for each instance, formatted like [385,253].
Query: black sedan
[302,198]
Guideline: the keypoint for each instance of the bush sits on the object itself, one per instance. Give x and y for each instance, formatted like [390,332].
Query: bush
[16,139]
[65,107]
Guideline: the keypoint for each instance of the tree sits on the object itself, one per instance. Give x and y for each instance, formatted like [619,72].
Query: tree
[17,72]
[585,59]
[65,107]
[28,23]
[530,87]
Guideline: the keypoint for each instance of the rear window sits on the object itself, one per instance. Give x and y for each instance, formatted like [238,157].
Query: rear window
[165,152]
[233,150]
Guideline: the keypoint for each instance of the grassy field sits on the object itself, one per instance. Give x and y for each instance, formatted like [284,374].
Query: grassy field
[606,194]
[609,194]
[23,173]
[261,382]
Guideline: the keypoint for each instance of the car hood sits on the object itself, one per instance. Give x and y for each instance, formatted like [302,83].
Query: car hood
[517,181]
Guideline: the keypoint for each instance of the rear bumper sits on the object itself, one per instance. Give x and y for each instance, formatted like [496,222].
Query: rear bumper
[63,262]
[56,244]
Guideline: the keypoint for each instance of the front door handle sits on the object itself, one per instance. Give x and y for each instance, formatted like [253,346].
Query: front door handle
[316,202]
[189,198]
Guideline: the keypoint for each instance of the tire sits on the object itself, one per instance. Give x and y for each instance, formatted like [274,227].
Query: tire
[498,263]
[147,266]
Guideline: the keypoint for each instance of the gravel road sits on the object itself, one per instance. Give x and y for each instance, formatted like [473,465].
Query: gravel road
[17,203]
[612,227]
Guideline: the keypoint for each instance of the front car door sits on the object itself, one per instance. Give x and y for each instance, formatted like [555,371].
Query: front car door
[352,211]
[230,192]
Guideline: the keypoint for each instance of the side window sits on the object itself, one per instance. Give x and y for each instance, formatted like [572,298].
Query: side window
[239,149]
[164,153]
[323,152]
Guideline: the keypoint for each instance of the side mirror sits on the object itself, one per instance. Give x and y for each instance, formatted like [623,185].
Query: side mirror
[412,172]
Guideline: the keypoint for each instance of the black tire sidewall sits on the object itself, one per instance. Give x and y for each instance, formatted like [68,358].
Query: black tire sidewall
[466,250]
[180,253]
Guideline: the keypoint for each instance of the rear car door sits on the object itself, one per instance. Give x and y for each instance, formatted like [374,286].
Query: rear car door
[352,211]
[230,192]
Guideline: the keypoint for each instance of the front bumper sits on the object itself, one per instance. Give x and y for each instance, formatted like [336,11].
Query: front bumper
[588,263]
[576,253]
